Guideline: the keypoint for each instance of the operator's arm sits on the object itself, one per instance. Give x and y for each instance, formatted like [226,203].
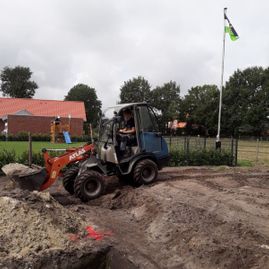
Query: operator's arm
[127,131]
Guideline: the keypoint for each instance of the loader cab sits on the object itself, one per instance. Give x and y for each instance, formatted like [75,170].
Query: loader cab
[145,140]
[112,122]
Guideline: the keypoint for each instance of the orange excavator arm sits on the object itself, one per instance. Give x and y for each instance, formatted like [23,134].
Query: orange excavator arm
[54,165]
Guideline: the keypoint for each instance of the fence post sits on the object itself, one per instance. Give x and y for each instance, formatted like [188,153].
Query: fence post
[232,151]
[30,149]
[199,142]
[188,147]
[185,143]
[257,150]
[236,151]
[205,143]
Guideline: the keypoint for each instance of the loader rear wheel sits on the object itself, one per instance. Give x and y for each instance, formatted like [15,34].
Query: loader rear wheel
[145,172]
[69,179]
[89,185]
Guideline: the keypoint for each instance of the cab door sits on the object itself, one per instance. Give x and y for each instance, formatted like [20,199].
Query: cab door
[149,136]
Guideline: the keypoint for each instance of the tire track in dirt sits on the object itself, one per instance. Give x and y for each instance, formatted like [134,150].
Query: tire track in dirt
[198,225]
[127,235]
[239,230]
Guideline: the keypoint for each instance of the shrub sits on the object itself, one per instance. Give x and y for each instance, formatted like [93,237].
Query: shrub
[21,136]
[2,137]
[83,138]
[37,158]
[200,157]
[40,137]
[7,157]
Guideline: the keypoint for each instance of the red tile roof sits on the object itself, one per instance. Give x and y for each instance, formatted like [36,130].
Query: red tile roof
[38,107]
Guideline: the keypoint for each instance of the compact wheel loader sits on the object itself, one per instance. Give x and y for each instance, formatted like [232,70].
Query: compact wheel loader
[87,167]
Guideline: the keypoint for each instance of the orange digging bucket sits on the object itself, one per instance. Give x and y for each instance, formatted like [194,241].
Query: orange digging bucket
[31,181]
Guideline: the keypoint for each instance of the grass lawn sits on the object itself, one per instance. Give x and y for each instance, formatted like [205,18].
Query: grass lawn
[256,152]
[20,146]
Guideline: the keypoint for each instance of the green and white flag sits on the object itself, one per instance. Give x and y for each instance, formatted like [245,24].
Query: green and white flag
[230,30]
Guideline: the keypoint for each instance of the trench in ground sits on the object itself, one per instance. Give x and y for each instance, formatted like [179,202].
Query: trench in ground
[104,258]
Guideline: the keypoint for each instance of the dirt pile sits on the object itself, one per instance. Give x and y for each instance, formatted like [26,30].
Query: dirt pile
[33,224]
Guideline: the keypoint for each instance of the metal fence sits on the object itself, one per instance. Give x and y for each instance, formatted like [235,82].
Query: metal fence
[251,150]
[255,150]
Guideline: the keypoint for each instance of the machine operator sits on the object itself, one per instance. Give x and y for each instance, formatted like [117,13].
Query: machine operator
[127,134]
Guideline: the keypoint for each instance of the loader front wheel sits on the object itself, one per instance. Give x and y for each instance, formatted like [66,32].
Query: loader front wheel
[89,185]
[145,172]
[69,179]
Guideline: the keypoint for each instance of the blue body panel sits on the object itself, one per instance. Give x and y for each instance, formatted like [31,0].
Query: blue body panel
[152,142]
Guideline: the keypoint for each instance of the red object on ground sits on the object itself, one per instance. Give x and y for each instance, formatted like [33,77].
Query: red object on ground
[96,235]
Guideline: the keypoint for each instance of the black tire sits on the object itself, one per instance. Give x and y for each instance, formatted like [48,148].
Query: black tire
[89,185]
[145,172]
[69,179]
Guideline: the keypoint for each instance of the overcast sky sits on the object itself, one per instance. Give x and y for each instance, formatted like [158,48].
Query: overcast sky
[104,43]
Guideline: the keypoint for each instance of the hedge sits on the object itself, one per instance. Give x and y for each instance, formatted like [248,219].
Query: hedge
[178,158]
[7,157]
[200,157]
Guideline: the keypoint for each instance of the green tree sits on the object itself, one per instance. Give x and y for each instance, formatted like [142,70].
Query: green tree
[135,90]
[16,83]
[246,101]
[82,92]
[200,105]
[166,99]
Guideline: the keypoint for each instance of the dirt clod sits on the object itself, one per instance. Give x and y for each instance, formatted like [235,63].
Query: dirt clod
[13,169]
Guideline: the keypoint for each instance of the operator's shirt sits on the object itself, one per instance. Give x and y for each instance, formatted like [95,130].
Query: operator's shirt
[129,124]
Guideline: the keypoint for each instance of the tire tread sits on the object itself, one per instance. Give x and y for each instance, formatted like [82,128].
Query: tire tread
[80,180]
[137,171]
[69,179]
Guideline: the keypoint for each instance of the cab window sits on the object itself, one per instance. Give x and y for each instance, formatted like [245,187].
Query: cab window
[147,120]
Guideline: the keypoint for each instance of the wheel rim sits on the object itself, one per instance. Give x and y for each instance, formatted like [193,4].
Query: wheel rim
[148,174]
[92,187]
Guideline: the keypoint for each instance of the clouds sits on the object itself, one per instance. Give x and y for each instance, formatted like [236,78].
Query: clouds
[103,43]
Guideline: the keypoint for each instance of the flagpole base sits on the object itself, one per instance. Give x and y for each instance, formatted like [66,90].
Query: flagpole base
[218,144]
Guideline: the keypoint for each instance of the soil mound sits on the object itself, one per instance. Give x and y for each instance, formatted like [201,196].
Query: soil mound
[32,222]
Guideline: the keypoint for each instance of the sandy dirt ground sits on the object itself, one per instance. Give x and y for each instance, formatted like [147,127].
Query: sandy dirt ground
[190,218]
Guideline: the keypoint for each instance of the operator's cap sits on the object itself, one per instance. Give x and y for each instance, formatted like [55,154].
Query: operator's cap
[127,109]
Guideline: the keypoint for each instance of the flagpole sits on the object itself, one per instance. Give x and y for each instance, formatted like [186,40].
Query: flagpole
[218,142]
